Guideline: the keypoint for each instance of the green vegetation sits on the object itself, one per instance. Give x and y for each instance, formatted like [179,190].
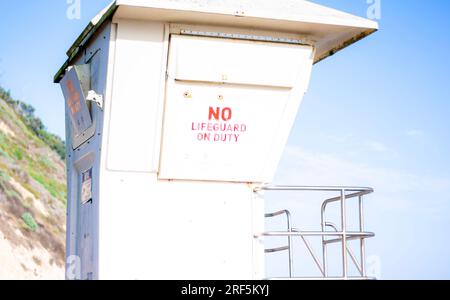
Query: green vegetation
[54,142]
[24,154]
[4,154]
[6,188]
[30,222]
[18,154]
[3,175]
[46,163]
[13,149]
[3,145]
[34,124]
[56,189]
[12,194]
[32,181]
[3,178]
[31,189]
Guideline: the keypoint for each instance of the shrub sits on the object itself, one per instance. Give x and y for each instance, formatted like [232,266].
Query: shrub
[30,222]
[46,163]
[11,194]
[55,189]
[18,154]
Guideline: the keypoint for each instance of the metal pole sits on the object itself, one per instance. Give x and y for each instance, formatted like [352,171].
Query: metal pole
[344,234]
[361,228]
[313,255]
[289,247]
[291,261]
[318,233]
[324,245]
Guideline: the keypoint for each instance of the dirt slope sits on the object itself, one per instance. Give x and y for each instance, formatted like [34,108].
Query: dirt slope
[32,202]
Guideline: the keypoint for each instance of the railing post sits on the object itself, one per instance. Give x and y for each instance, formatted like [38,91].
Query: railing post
[324,245]
[289,237]
[291,260]
[344,234]
[361,228]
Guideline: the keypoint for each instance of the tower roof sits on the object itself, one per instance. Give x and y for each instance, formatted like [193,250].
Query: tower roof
[329,29]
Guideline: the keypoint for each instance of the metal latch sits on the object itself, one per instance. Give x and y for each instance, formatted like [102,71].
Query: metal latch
[96,98]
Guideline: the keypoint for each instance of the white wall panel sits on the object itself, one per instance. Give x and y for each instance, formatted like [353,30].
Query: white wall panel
[230,105]
[135,112]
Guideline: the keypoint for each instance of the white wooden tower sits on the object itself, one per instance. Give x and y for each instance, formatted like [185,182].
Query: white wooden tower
[176,111]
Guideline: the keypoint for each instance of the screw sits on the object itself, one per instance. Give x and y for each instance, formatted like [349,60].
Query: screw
[187,94]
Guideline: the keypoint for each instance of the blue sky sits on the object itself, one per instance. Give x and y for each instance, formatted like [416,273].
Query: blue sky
[376,114]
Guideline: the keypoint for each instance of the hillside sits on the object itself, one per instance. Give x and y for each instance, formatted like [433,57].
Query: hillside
[32,195]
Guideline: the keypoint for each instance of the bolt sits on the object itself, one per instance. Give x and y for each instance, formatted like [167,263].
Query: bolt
[187,94]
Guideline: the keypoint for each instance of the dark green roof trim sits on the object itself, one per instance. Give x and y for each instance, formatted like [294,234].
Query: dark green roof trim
[87,33]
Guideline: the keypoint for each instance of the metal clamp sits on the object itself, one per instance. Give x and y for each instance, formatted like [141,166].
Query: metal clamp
[96,98]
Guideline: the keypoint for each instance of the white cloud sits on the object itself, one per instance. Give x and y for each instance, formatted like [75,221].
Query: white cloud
[301,167]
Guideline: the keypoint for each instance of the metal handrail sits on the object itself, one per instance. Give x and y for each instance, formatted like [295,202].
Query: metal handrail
[350,252]
[285,188]
[343,235]
[289,246]
[317,233]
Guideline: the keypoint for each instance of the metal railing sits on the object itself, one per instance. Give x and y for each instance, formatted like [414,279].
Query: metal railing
[342,236]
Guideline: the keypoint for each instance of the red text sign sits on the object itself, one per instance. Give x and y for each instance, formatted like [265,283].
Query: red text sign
[218,113]
[219,128]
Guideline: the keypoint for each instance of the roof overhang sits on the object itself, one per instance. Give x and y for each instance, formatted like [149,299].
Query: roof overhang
[331,30]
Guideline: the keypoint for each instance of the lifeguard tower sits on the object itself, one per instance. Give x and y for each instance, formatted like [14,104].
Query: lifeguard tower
[177,114]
